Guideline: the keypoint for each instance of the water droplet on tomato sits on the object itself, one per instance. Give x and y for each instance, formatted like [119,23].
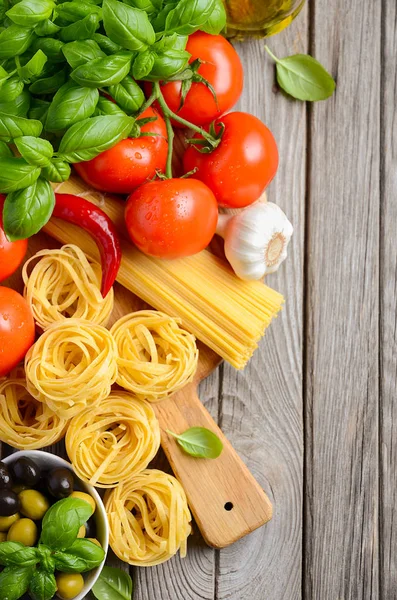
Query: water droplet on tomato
[138,155]
[149,215]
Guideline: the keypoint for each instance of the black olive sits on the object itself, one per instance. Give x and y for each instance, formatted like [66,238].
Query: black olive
[25,471]
[5,477]
[9,503]
[90,527]
[60,483]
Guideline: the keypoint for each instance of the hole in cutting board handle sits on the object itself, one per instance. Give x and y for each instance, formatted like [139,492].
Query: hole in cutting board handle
[228,506]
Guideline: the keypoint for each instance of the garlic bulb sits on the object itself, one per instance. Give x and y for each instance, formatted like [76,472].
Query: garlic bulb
[256,239]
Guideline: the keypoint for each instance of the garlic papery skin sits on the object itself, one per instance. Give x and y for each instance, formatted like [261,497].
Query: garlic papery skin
[256,239]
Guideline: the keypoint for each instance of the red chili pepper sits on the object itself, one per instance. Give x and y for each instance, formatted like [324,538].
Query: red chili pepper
[94,221]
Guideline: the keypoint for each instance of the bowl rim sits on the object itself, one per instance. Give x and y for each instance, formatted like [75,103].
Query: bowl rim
[42,454]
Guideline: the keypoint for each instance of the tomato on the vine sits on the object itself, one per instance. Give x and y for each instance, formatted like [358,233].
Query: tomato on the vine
[243,164]
[11,253]
[172,218]
[16,329]
[131,162]
[222,69]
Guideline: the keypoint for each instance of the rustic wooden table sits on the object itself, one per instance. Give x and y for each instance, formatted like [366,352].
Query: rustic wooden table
[313,413]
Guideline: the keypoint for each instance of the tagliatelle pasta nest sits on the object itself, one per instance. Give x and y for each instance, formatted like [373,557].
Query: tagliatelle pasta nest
[156,357]
[65,283]
[71,366]
[25,423]
[149,519]
[112,442]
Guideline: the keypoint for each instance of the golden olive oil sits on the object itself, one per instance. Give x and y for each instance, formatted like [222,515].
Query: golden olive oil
[260,17]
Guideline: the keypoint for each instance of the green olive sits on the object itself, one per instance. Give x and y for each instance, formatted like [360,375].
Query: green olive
[69,585]
[33,504]
[95,541]
[6,522]
[3,536]
[24,531]
[86,497]
[82,532]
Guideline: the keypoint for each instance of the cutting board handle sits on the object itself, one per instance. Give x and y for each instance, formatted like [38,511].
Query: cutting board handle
[225,499]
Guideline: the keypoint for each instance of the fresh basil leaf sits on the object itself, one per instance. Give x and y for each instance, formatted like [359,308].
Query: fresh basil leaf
[16,554]
[80,30]
[49,85]
[82,556]
[52,48]
[38,109]
[145,5]
[143,64]
[46,28]
[106,44]
[28,210]
[5,151]
[217,20]
[107,107]
[16,174]
[70,105]
[18,107]
[127,26]
[171,42]
[159,21]
[33,67]
[14,582]
[11,89]
[113,584]
[103,72]
[15,40]
[199,442]
[57,171]
[46,560]
[30,12]
[3,75]
[35,151]
[80,53]
[76,10]
[303,77]
[12,127]
[168,64]
[63,520]
[87,139]
[128,95]
[189,16]
[43,585]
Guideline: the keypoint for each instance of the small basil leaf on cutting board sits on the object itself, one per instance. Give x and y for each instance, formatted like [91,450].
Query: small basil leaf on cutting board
[303,77]
[43,585]
[113,584]
[199,442]
[25,212]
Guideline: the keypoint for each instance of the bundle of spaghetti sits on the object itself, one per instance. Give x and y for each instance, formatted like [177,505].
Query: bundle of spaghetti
[149,519]
[156,357]
[227,314]
[25,423]
[65,283]
[110,443]
[71,366]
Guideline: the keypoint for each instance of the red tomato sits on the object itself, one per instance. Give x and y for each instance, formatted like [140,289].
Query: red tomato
[11,253]
[222,68]
[16,329]
[131,162]
[171,218]
[243,164]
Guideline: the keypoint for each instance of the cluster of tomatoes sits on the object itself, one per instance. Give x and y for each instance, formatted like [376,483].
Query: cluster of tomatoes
[170,218]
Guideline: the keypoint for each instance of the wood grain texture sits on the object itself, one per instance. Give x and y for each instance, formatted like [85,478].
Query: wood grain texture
[388,298]
[261,408]
[342,307]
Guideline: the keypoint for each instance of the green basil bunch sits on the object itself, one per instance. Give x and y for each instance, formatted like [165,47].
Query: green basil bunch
[56,63]
[32,569]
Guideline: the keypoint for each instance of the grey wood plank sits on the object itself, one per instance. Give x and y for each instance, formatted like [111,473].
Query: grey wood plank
[261,408]
[342,307]
[388,299]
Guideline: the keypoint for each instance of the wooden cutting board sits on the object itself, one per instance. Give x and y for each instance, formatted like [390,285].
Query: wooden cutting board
[225,499]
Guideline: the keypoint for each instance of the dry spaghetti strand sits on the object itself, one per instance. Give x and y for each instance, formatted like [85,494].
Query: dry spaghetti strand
[110,443]
[25,423]
[149,519]
[156,357]
[71,366]
[63,284]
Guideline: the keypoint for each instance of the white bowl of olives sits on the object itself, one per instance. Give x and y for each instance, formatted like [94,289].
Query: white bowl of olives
[55,525]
